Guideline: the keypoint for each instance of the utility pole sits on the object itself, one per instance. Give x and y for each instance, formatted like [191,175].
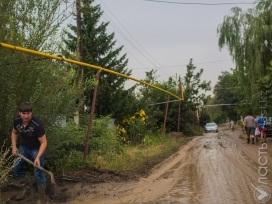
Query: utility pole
[79,38]
[165,115]
[87,142]
[79,53]
[182,98]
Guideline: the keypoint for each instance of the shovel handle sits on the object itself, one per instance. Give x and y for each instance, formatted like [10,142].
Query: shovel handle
[39,167]
[29,161]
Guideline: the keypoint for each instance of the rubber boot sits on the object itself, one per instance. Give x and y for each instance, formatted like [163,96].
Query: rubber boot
[252,140]
[248,140]
[25,185]
[41,194]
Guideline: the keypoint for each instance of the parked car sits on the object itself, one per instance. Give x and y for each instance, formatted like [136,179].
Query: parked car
[211,127]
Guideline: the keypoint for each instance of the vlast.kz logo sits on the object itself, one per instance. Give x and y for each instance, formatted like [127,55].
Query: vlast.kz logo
[262,193]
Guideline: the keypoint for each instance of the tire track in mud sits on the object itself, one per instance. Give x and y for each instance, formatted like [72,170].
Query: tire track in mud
[226,167]
[231,178]
[249,158]
[164,176]
[243,158]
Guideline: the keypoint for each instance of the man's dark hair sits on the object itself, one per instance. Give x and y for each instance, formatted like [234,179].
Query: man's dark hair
[25,107]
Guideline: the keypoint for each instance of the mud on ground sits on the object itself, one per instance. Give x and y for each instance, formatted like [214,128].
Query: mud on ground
[85,180]
[210,169]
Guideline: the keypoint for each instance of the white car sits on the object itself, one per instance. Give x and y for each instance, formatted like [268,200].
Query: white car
[211,127]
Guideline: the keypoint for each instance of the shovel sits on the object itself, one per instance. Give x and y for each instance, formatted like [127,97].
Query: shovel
[39,167]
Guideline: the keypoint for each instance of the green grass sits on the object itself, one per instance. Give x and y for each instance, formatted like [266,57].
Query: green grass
[134,158]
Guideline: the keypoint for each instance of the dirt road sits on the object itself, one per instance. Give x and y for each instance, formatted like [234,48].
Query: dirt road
[210,169]
[217,168]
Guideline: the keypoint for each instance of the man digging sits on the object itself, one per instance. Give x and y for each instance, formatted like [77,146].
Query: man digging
[33,145]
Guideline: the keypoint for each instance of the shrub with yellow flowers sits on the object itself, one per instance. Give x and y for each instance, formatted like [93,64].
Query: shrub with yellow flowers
[133,129]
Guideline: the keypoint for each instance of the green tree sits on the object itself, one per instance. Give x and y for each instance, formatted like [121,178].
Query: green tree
[206,110]
[194,88]
[229,91]
[248,35]
[153,101]
[265,85]
[99,49]
[47,84]
[195,92]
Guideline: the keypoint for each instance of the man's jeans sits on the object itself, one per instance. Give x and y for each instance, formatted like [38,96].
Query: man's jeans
[19,168]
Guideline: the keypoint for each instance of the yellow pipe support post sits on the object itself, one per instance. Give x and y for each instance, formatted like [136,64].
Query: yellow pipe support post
[60,58]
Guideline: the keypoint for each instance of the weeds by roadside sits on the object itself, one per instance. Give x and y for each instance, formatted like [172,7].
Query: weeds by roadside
[65,151]
[134,157]
[6,164]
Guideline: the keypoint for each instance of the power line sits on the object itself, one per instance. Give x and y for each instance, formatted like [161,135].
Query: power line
[123,35]
[236,87]
[152,104]
[126,30]
[126,38]
[28,61]
[231,104]
[64,11]
[59,23]
[184,65]
[201,4]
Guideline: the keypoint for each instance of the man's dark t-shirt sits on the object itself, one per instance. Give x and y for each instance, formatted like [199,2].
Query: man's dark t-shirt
[30,133]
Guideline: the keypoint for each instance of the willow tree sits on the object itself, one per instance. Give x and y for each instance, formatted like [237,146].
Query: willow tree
[248,37]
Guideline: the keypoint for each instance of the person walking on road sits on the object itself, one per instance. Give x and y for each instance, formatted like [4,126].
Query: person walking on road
[33,145]
[261,124]
[243,126]
[232,125]
[250,127]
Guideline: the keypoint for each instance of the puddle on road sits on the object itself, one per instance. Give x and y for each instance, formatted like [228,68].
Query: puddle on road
[186,189]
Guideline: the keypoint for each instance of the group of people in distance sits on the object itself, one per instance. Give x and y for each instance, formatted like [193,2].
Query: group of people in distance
[255,127]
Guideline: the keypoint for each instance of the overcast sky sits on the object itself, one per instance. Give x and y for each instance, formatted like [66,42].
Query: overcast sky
[164,36]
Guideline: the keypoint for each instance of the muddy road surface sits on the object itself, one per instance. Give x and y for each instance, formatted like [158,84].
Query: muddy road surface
[217,168]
